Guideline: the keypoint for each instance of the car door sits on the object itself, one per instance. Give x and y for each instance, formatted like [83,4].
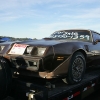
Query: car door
[95,49]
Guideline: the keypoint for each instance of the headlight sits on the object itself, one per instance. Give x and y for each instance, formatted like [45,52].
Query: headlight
[38,51]
[28,50]
[1,48]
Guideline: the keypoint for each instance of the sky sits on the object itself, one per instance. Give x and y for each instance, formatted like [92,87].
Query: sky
[40,18]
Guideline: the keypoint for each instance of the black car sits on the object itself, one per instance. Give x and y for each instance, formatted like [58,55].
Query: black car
[65,54]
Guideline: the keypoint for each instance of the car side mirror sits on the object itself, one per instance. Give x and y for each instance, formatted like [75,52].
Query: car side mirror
[96,41]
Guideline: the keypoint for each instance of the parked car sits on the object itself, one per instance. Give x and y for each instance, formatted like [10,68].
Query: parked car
[5,68]
[5,71]
[65,54]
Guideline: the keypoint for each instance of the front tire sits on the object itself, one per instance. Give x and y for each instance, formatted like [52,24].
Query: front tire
[76,69]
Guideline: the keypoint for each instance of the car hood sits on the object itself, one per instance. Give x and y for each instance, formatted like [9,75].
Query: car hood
[44,42]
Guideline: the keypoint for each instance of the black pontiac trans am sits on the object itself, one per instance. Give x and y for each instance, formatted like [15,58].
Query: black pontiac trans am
[65,54]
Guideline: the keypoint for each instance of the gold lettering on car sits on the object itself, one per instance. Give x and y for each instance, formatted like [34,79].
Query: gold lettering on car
[60,58]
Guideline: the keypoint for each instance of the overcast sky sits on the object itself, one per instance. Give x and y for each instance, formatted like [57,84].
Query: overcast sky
[40,18]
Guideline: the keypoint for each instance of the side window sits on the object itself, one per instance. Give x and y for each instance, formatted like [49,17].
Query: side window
[95,36]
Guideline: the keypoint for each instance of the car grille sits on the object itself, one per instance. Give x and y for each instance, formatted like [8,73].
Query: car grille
[25,64]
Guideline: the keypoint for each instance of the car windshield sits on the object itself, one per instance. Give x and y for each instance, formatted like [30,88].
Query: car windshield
[80,35]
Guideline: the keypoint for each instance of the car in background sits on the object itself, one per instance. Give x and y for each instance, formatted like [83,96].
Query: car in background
[5,71]
[65,54]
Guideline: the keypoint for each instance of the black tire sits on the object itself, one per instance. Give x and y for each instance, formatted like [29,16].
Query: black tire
[76,69]
[5,78]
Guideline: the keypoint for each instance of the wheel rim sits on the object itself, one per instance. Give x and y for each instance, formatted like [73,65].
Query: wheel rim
[77,68]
